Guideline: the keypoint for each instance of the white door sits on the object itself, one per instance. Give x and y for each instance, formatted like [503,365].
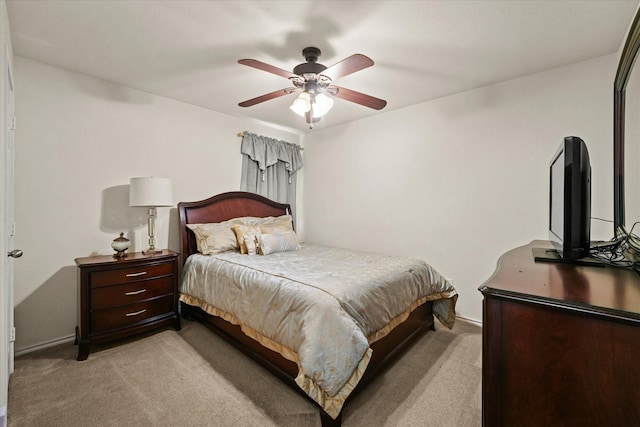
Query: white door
[7,234]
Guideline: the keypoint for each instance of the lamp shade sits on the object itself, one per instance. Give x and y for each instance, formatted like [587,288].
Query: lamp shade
[322,105]
[301,104]
[150,191]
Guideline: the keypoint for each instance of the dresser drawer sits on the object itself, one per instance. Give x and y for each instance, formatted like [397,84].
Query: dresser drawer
[110,296]
[129,274]
[130,314]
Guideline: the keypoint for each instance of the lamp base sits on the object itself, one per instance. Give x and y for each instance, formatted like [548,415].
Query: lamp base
[151,251]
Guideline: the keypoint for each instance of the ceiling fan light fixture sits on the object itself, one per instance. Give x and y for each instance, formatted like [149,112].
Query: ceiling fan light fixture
[315,82]
[322,105]
[301,104]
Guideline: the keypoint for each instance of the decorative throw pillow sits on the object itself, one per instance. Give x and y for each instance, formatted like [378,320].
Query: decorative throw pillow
[214,238]
[250,243]
[250,231]
[280,241]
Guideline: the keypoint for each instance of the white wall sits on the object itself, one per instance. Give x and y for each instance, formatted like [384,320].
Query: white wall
[460,180]
[79,140]
[6,57]
[456,181]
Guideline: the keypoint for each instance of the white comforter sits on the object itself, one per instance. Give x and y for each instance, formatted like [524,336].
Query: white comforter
[320,307]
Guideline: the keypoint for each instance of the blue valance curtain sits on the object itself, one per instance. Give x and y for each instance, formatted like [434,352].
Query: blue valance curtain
[269,168]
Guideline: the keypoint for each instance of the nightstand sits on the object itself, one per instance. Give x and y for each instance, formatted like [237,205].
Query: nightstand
[122,297]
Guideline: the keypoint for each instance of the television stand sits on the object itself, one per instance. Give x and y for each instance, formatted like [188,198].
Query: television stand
[552,255]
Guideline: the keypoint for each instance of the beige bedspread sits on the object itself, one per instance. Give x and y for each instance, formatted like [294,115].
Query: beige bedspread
[319,307]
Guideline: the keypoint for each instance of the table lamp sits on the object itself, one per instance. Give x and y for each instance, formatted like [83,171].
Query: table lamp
[151,192]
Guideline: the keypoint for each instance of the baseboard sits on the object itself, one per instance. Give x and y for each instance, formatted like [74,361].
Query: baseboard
[67,339]
[466,319]
[3,416]
[43,345]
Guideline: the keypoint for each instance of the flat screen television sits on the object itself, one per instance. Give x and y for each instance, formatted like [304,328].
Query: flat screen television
[570,199]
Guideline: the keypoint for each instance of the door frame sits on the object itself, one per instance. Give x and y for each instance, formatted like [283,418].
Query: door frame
[7,334]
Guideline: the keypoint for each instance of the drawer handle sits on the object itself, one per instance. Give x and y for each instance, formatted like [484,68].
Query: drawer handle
[141,291]
[136,313]
[142,273]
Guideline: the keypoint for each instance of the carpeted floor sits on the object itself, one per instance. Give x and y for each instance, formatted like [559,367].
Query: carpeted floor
[195,378]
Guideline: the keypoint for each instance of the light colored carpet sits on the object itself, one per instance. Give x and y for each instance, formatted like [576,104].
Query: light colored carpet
[195,378]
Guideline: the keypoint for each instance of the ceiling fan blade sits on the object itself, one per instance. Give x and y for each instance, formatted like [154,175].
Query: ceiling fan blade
[268,68]
[360,98]
[266,97]
[348,66]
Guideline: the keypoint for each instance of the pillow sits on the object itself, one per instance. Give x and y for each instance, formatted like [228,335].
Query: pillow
[214,238]
[284,222]
[250,232]
[270,229]
[272,225]
[250,243]
[248,220]
[280,241]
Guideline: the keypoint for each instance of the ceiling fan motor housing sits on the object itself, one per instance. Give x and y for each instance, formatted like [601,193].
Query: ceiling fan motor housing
[311,55]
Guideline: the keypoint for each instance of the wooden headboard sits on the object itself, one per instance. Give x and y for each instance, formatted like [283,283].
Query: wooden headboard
[220,208]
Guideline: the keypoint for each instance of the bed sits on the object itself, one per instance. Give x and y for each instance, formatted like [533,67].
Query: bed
[291,311]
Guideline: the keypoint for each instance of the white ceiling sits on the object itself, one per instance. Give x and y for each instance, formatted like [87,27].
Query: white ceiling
[187,50]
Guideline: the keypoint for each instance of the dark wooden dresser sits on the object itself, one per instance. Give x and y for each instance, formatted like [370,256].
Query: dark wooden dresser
[561,344]
[118,298]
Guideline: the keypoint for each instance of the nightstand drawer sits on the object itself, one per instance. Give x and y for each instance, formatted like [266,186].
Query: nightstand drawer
[126,315]
[111,296]
[130,274]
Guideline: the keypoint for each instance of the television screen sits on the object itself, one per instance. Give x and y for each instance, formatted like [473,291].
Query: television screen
[570,199]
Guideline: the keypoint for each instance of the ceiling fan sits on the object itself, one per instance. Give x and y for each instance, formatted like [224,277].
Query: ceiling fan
[314,82]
